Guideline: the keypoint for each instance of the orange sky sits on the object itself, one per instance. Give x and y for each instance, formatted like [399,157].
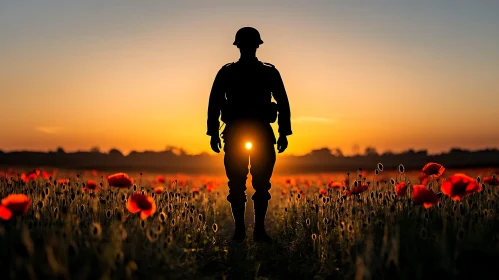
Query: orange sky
[137,77]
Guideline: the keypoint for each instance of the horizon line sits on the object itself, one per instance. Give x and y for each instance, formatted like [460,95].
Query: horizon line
[178,151]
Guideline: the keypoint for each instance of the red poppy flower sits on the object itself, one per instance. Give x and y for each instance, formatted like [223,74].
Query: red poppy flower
[492,181]
[323,192]
[90,186]
[433,168]
[210,187]
[284,191]
[141,203]
[334,185]
[423,179]
[160,179]
[5,213]
[120,180]
[459,186]
[46,175]
[401,189]
[159,190]
[422,195]
[357,190]
[32,175]
[302,194]
[16,204]
[94,173]
[63,181]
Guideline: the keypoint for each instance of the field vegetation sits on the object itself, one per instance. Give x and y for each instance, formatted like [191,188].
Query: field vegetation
[376,224]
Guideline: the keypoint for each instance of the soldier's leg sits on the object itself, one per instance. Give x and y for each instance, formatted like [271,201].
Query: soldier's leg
[236,168]
[262,165]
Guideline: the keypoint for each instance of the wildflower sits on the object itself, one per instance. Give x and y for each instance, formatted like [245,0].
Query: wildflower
[151,235]
[46,175]
[401,168]
[459,186]
[160,179]
[401,189]
[120,180]
[423,179]
[433,168]
[95,230]
[422,195]
[14,205]
[158,190]
[491,181]
[91,185]
[323,192]
[162,217]
[63,181]
[334,185]
[380,166]
[350,227]
[357,190]
[32,175]
[141,203]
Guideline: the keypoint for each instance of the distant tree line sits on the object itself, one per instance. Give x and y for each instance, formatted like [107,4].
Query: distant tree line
[175,160]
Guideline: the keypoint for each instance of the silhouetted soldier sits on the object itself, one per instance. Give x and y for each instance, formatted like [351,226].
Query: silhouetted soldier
[242,93]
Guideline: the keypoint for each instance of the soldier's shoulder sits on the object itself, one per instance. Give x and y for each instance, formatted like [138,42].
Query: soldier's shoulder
[270,65]
[224,68]
[227,65]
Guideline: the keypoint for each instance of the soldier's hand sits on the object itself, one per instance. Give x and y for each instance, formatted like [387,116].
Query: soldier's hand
[215,144]
[282,143]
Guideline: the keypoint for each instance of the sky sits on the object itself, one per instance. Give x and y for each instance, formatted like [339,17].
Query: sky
[136,75]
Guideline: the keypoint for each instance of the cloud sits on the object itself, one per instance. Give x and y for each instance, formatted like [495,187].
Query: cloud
[48,129]
[308,119]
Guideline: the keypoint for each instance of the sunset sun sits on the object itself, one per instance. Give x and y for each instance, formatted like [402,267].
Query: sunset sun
[248,145]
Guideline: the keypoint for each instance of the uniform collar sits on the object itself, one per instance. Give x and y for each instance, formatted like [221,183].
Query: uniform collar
[248,60]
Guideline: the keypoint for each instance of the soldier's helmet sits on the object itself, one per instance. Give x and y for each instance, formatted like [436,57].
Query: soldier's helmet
[247,36]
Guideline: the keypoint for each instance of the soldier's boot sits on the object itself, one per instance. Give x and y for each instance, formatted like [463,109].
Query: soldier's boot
[259,233]
[238,209]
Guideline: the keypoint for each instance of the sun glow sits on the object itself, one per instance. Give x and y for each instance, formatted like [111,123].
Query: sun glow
[248,145]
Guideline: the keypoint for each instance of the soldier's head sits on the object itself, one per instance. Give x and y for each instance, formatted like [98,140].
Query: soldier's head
[248,40]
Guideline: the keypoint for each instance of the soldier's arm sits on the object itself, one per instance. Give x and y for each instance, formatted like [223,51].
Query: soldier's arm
[279,93]
[217,97]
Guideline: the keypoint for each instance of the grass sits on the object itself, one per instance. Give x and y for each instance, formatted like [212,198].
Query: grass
[71,234]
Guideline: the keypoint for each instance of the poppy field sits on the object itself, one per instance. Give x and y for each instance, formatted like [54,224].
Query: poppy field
[367,224]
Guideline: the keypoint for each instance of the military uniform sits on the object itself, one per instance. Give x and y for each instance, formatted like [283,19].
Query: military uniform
[242,93]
